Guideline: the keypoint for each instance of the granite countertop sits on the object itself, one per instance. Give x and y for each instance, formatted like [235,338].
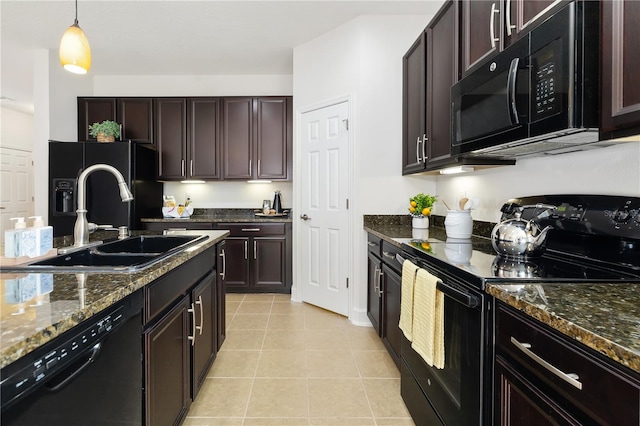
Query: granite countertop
[38,307]
[604,317]
[224,216]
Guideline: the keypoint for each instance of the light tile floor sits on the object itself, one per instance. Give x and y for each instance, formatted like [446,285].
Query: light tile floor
[286,363]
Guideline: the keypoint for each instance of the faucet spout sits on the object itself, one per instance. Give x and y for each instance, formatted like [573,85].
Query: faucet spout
[81,228]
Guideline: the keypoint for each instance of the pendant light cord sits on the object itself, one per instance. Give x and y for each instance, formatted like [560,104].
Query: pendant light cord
[75,22]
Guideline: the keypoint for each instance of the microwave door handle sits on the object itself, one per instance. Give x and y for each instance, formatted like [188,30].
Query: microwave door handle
[511,90]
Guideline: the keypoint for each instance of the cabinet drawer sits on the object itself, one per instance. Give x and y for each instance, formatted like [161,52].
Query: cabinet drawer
[374,245]
[389,252]
[607,395]
[253,229]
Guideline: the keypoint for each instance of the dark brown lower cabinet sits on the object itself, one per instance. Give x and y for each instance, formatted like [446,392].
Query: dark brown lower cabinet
[374,294]
[258,257]
[204,345]
[522,404]
[391,308]
[543,377]
[167,367]
[182,335]
[221,290]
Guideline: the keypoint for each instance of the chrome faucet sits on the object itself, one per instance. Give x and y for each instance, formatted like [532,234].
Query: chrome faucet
[81,228]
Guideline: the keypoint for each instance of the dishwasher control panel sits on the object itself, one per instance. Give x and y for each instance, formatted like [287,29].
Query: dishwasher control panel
[75,353]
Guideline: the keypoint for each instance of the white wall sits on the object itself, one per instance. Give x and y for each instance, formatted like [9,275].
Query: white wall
[230,194]
[614,170]
[362,60]
[16,129]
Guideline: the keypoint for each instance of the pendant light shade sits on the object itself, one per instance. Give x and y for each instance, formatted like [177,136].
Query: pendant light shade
[75,53]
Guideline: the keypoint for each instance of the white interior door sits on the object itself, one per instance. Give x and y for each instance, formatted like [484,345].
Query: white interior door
[324,229]
[16,187]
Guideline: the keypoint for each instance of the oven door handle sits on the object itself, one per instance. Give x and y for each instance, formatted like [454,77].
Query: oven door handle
[468,300]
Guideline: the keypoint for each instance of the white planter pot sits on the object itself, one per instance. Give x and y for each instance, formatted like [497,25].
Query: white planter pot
[420,222]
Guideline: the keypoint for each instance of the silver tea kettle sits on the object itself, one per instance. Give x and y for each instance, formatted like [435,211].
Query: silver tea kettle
[518,237]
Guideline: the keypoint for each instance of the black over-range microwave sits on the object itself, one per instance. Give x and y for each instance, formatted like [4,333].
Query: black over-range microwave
[539,95]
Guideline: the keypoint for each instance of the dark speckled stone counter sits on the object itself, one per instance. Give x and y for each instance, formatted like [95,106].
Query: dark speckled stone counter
[38,307]
[223,216]
[604,317]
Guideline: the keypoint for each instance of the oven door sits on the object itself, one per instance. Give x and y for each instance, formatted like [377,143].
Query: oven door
[457,391]
[491,105]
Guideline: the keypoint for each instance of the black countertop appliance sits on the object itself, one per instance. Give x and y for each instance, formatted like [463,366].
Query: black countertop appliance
[136,162]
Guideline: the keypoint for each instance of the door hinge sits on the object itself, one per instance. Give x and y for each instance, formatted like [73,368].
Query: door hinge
[346,123]
[347,204]
[347,282]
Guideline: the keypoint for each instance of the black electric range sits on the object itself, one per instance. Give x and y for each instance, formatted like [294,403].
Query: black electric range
[594,239]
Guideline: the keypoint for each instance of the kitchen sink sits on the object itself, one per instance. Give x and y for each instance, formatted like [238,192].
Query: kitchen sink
[129,255]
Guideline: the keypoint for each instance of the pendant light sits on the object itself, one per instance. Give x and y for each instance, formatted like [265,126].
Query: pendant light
[75,53]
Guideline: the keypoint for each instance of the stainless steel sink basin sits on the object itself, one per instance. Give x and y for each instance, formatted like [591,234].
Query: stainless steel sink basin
[129,255]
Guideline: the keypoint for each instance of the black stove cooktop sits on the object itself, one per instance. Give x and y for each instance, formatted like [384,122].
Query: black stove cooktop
[595,239]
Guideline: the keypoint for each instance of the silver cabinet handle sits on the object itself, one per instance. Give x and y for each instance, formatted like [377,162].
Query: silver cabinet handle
[508,18]
[250,168]
[255,250]
[418,150]
[492,29]
[201,326]
[190,168]
[224,264]
[192,311]
[181,167]
[424,147]
[376,280]
[380,275]
[571,378]
[388,255]
[250,229]
[304,217]
[372,244]
[246,249]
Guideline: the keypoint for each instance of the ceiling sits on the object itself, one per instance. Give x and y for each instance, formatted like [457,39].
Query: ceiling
[178,37]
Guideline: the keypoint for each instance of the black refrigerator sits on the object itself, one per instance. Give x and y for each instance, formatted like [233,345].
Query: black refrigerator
[137,163]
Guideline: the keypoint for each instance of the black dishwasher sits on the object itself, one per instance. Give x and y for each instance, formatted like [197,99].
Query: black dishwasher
[90,375]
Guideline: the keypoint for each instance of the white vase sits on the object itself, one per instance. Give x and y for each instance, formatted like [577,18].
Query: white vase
[420,222]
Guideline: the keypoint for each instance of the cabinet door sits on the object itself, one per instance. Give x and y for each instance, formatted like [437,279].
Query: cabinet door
[269,263]
[238,138]
[204,346]
[392,335]
[480,31]
[94,110]
[413,107]
[204,136]
[220,293]
[171,136]
[237,255]
[441,75]
[519,403]
[272,135]
[167,373]
[136,117]
[374,296]
[620,68]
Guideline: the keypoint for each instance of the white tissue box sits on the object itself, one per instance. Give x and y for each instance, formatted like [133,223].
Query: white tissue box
[177,212]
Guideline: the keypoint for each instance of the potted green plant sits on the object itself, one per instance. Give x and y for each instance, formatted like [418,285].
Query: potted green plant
[420,206]
[106,131]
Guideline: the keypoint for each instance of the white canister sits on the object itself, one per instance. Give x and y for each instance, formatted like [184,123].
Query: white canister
[458,224]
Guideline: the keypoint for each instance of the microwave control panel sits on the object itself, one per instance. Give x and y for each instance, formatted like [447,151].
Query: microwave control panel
[547,81]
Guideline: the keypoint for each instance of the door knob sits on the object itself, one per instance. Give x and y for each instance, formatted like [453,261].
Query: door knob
[304,217]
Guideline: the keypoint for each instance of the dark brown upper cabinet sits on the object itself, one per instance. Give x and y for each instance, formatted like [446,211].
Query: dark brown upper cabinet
[187,134]
[171,137]
[414,93]
[135,115]
[257,138]
[429,71]
[620,112]
[489,26]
